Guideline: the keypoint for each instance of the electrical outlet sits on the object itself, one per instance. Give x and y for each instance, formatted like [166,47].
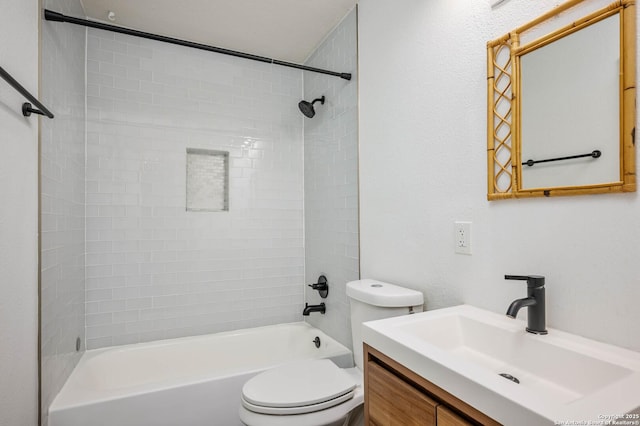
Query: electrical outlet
[462,237]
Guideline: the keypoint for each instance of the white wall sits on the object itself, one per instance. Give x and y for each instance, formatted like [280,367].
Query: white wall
[155,270]
[331,177]
[423,166]
[62,199]
[18,218]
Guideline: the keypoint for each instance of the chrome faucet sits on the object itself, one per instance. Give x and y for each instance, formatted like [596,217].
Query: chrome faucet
[536,322]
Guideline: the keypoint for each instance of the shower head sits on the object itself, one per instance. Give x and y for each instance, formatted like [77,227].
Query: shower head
[307,107]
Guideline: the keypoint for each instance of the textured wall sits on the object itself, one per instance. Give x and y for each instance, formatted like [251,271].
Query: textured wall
[18,218]
[331,177]
[62,198]
[423,166]
[155,270]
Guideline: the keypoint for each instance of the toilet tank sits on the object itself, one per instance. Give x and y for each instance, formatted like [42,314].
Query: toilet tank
[371,300]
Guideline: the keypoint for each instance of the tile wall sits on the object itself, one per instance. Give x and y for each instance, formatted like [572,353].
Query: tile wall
[331,177]
[62,198]
[153,269]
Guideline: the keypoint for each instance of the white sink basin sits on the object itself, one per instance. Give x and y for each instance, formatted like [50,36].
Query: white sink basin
[563,377]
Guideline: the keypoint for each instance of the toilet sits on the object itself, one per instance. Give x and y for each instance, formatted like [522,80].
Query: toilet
[317,392]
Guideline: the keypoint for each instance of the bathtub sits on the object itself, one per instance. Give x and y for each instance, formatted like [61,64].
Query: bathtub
[191,381]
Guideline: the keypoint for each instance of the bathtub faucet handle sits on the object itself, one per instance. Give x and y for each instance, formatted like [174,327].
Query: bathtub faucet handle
[322,286]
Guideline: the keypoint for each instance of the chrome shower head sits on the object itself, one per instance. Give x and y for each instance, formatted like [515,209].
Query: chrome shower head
[307,107]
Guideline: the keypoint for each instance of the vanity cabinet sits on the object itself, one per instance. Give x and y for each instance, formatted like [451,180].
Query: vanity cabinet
[396,396]
[446,417]
[392,401]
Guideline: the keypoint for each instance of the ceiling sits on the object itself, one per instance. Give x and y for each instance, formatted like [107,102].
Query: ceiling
[288,30]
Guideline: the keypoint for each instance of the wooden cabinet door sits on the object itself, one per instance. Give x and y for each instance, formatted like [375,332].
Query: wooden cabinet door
[393,402]
[447,417]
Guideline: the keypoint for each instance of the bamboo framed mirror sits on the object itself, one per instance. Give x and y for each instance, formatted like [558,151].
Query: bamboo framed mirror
[561,103]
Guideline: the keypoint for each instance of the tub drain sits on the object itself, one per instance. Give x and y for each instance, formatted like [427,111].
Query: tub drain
[510,377]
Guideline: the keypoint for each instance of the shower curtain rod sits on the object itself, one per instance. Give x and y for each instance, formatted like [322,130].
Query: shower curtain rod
[50,15]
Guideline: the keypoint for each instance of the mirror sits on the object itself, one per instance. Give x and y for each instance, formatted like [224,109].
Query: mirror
[562,105]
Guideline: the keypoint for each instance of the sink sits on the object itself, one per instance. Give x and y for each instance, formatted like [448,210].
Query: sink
[493,364]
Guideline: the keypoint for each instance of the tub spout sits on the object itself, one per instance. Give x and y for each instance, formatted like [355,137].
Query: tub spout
[313,308]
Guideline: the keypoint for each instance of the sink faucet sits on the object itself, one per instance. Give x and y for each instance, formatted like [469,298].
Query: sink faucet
[534,301]
[313,308]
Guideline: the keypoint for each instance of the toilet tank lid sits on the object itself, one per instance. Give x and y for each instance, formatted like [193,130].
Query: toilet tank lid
[378,293]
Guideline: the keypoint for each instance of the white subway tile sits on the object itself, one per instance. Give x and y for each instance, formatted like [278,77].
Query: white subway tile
[176,263]
[125,269]
[126,316]
[139,303]
[128,61]
[110,69]
[98,319]
[126,293]
[99,342]
[112,305]
[111,45]
[101,56]
[98,295]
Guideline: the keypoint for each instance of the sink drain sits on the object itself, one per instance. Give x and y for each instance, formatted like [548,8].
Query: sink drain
[510,377]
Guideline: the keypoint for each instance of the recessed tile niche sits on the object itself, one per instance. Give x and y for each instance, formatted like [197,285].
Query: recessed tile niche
[207,180]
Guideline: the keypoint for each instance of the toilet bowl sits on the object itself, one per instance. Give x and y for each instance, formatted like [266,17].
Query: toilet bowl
[317,392]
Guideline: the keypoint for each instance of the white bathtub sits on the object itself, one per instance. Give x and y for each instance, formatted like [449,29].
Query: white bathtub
[192,381]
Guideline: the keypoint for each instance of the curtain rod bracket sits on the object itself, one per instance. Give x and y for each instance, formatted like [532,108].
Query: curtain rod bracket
[27,110]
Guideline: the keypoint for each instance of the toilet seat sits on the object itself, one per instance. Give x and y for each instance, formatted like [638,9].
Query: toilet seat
[298,388]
